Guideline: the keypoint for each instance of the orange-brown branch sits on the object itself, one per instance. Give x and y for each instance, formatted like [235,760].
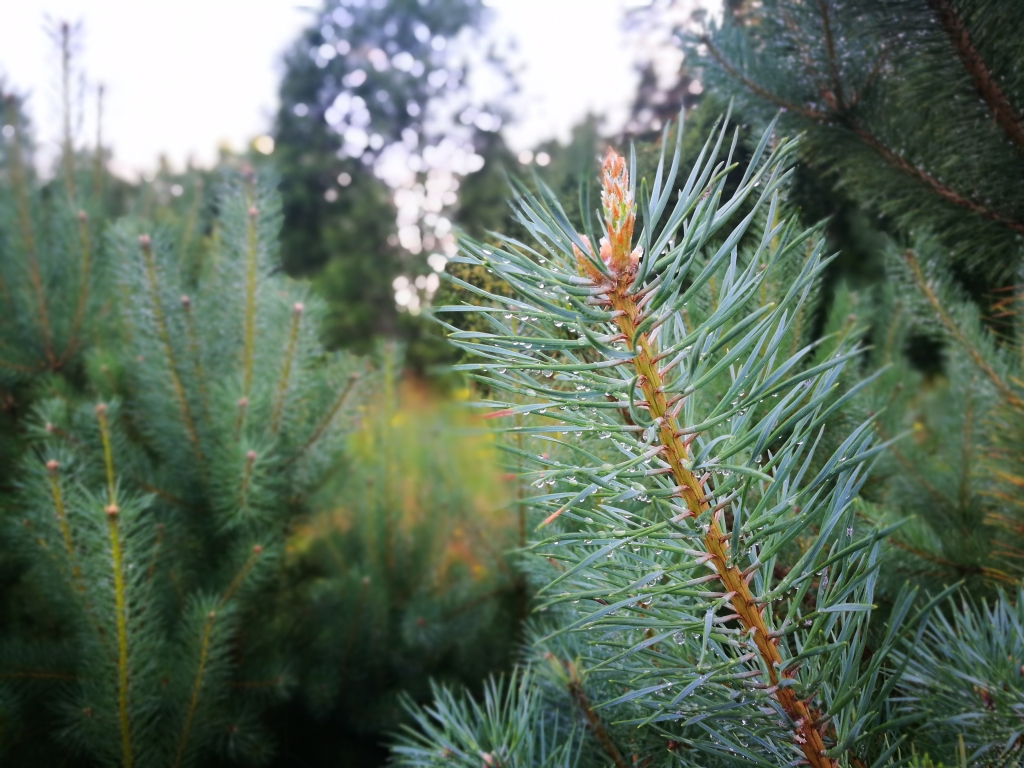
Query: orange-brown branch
[805,720]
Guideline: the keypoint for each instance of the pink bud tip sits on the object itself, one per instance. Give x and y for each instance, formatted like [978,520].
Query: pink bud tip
[257,550]
[253,211]
[111,510]
[82,216]
[53,465]
[250,456]
[100,409]
[298,308]
[144,241]
[185,301]
[243,401]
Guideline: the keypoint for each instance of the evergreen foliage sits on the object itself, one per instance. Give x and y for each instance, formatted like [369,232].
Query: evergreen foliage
[400,574]
[913,106]
[187,508]
[679,423]
[151,508]
[172,417]
[912,109]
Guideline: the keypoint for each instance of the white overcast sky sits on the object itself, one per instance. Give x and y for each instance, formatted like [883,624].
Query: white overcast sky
[183,77]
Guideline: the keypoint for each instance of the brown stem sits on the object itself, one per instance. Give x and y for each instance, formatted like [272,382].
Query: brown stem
[757,90]
[830,52]
[936,186]
[805,720]
[163,333]
[596,726]
[957,333]
[1008,118]
[870,140]
[325,422]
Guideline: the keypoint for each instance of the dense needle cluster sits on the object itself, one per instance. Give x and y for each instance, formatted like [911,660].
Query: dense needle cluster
[700,580]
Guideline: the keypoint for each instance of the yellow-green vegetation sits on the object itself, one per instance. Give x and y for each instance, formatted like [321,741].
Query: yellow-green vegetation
[402,572]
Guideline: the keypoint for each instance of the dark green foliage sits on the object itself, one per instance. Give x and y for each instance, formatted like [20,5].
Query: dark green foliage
[913,106]
[947,471]
[909,112]
[49,307]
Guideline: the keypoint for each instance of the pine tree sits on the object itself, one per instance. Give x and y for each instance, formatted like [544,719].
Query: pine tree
[705,585]
[173,425]
[192,534]
[912,110]
[913,104]
[401,576]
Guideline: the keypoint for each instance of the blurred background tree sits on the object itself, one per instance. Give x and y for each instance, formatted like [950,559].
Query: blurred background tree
[244,601]
[377,124]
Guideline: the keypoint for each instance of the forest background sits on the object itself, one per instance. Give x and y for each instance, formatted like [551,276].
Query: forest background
[396,566]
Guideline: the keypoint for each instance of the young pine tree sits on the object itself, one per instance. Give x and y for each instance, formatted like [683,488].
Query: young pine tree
[176,425]
[705,584]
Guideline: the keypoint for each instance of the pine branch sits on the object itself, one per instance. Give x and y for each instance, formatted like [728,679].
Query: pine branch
[956,332]
[696,453]
[580,699]
[691,488]
[204,651]
[327,419]
[1003,112]
[164,336]
[835,98]
[52,470]
[19,182]
[286,368]
[120,600]
[847,120]
[250,303]
[193,349]
[806,112]
[942,190]
[85,275]
[190,221]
